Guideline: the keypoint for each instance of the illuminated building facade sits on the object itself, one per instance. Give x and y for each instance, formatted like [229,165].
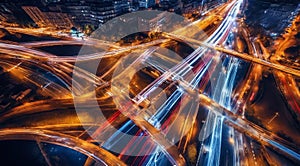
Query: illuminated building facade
[95,12]
[146,3]
[170,5]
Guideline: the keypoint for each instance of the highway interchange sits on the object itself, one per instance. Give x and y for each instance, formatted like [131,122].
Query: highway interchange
[176,111]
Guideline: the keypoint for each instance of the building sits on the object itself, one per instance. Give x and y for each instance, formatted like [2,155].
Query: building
[79,11]
[95,12]
[209,4]
[134,5]
[102,11]
[154,22]
[50,1]
[170,5]
[188,6]
[58,20]
[146,3]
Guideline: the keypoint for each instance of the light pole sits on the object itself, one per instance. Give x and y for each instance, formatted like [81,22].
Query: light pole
[276,114]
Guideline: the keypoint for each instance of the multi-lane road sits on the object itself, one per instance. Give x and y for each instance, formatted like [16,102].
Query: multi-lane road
[147,107]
